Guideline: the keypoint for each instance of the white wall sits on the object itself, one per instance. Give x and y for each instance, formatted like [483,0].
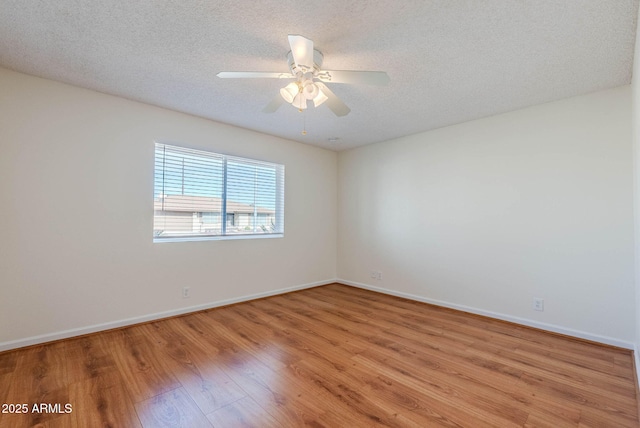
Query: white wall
[489,214]
[76,204]
[482,216]
[635,86]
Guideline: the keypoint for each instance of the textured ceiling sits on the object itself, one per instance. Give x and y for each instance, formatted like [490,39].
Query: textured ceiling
[449,61]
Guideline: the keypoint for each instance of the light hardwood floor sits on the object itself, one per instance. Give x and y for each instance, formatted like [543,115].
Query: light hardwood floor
[332,356]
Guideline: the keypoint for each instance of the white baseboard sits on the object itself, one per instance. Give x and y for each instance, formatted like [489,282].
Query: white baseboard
[34,340]
[516,320]
[636,366]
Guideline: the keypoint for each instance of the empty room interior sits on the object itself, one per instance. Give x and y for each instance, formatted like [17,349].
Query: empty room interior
[348,213]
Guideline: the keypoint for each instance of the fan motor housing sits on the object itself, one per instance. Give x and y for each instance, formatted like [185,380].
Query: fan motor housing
[318,57]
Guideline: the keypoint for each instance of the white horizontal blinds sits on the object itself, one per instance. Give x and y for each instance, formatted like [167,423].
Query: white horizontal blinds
[191,200]
[187,192]
[254,202]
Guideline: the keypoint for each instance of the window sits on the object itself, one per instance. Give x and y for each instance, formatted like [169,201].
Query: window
[203,195]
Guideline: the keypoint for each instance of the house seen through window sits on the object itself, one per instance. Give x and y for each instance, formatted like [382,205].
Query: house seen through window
[205,195]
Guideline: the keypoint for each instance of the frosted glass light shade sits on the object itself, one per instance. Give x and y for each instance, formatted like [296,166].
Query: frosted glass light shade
[300,102]
[320,98]
[309,89]
[289,92]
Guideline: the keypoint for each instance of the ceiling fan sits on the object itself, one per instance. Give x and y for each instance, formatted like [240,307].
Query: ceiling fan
[305,64]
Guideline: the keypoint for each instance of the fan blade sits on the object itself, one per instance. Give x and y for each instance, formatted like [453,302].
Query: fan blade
[274,105]
[254,74]
[378,78]
[302,51]
[333,102]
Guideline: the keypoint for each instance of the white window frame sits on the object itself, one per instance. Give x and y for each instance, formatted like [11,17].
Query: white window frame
[224,234]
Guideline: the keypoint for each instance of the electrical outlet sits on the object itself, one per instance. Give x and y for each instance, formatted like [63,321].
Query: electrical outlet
[186,292]
[374,274]
[379,275]
[538,304]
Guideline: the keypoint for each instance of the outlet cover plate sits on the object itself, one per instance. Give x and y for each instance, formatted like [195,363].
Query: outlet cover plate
[538,304]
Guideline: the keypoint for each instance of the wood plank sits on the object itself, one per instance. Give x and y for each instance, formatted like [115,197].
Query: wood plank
[195,368]
[589,399]
[285,398]
[548,378]
[139,364]
[374,407]
[172,409]
[8,362]
[332,335]
[328,356]
[86,358]
[40,376]
[538,420]
[579,374]
[6,381]
[489,406]
[596,418]
[243,413]
[102,400]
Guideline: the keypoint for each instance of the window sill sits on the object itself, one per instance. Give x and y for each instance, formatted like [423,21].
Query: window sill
[217,238]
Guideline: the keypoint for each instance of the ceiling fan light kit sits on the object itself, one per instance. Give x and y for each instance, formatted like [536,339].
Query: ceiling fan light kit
[320,98]
[299,102]
[309,89]
[305,64]
[289,92]
[299,92]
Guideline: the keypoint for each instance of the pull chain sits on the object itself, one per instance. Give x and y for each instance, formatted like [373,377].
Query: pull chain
[304,123]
